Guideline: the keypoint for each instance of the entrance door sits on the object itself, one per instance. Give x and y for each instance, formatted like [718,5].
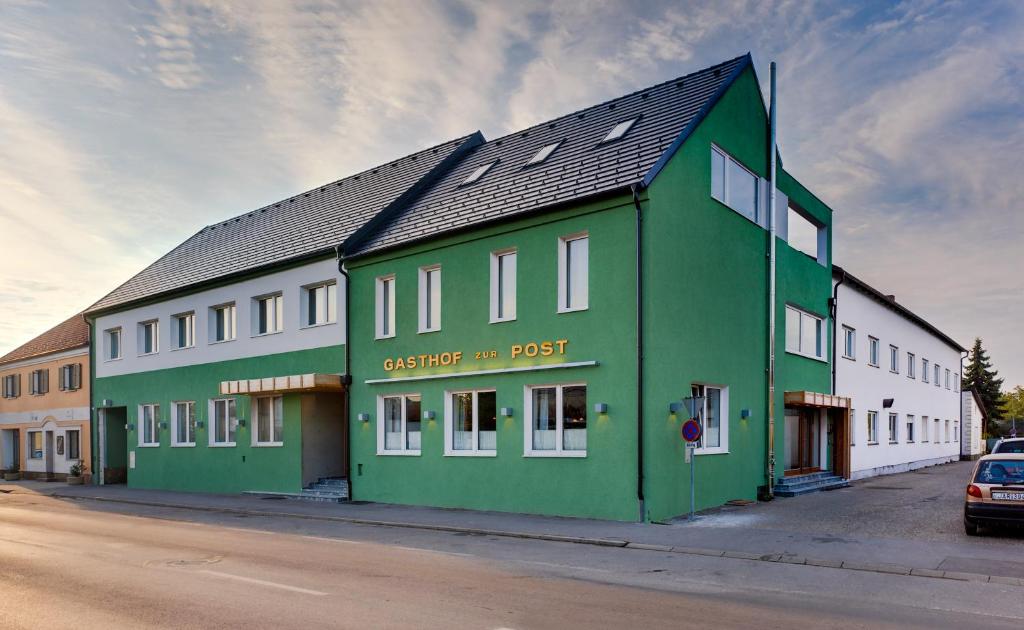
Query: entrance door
[113,441]
[48,452]
[803,439]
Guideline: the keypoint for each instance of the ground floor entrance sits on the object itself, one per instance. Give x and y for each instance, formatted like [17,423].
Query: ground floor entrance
[804,442]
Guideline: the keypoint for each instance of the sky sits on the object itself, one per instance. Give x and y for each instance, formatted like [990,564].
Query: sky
[125,127]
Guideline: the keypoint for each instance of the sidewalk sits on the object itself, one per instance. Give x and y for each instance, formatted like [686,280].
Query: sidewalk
[707,536]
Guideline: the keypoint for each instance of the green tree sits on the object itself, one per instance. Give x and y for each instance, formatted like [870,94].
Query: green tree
[1013,406]
[981,377]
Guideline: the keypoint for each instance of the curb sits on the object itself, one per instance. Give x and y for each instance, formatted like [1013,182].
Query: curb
[781,558]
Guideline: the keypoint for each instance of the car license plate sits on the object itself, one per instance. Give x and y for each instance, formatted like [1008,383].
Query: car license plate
[1001,495]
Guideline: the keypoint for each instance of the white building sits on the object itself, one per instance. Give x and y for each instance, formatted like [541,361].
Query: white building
[903,376]
[972,446]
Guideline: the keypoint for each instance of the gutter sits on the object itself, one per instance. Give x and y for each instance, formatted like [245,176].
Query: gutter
[770,459]
[346,378]
[963,355]
[833,312]
[639,354]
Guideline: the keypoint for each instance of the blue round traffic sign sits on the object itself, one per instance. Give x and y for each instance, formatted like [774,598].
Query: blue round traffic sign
[691,430]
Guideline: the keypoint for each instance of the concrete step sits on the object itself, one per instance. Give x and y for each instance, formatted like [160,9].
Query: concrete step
[333,481]
[815,485]
[303,495]
[796,479]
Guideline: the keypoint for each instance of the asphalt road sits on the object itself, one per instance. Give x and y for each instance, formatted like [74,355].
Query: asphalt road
[69,564]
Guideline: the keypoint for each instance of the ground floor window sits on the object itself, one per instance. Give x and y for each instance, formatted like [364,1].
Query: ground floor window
[74,447]
[184,420]
[269,421]
[225,422]
[398,424]
[947,430]
[712,408]
[872,427]
[924,428]
[938,436]
[956,430]
[910,428]
[556,422]
[893,428]
[35,444]
[149,427]
[471,420]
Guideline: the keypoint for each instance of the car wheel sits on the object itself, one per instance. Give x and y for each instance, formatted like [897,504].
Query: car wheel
[970,528]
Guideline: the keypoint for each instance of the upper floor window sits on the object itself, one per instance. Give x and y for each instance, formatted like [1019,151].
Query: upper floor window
[223,321]
[430,298]
[112,344]
[713,410]
[805,333]
[911,365]
[556,420]
[478,172]
[807,234]
[849,343]
[503,286]
[619,130]
[385,307]
[471,421]
[544,153]
[149,425]
[937,374]
[956,382]
[39,382]
[924,370]
[149,337]
[71,377]
[573,273]
[733,184]
[12,386]
[184,330]
[269,421]
[225,422]
[873,351]
[894,359]
[320,304]
[268,314]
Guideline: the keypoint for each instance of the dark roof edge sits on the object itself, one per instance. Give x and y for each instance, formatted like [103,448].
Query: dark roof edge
[978,401]
[37,355]
[870,291]
[698,119]
[469,142]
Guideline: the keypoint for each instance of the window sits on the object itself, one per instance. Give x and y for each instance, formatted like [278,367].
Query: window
[39,382]
[183,419]
[12,386]
[269,421]
[947,378]
[911,365]
[924,370]
[910,429]
[924,428]
[503,286]
[806,234]
[225,422]
[385,307]
[804,333]
[872,352]
[872,427]
[894,359]
[430,299]
[556,420]
[471,422]
[733,184]
[268,315]
[938,437]
[938,372]
[714,417]
[619,130]
[70,377]
[149,425]
[956,382]
[35,444]
[956,431]
[479,172]
[320,304]
[223,323]
[184,330]
[849,343]
[74,440]
[398,424]
[112,344]
[544,153]
[947,430]
[149,337]
[894,420]
[573,273]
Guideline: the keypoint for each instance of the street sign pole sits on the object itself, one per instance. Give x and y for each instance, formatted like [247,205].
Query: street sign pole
[691,431]
[693,500]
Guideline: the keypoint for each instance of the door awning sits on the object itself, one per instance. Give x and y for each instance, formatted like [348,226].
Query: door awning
[814,399]
[284,384]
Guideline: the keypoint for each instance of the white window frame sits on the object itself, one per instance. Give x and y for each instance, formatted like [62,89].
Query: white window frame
[726,192]
[872,437]
[155,323]
[154,418]
[849,343]
[911,424]
[948,374]
[405,450]
[947,440]
[956,382]
[924,370]
[559,450]
[498,281]
[326,308]
[894,428]
[176,420]
[564,284]
[821,341]
[275,318]
[874,352]
[429,320]
[230,322]
[385,297]
[911,365]
[723,429]
[924,429]
[190,330]
[544,153]
[937,373]
[109,334]
[212,429]
[256,419]
[894,359]
[449,424]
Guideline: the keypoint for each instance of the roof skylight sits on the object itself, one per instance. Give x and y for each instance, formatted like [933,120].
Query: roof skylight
[544,153]
[619,130]
[478,173]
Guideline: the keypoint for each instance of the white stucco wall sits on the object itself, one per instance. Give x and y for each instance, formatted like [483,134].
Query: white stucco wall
[294,336]
[972,444]
[868,386]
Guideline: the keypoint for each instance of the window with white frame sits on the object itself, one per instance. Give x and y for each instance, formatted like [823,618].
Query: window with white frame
[873,351]
[471,423]
[184,330]
[112,344]
[872,427]
[805,333]
[385,307]
[733,184]
[910,428]
[911,365]
[398,424]
[947,378]
[149,425]
[268,314]
[947,430]
[894,359]
[937,374]
[849,343]
[12,386]
[714,418]
[223,323]
[320,304]
[74,440]
[35,444]
[894,421]
[225,422]
[39,382]
[924,370]
[430,298]
[269,421]
[956,431]
[149,337]
[556,420]
[183,423]
[938,436]
[806,234]
[956,382]
[503,286]
[70,377]
[924,428]
[573,273]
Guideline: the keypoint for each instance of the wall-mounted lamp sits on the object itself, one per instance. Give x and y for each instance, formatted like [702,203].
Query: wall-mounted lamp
[506,412]
[163,425]
[744,413]
[675,407]
[106,402]
[200,424]
[129,427]
[600,407]
[363,417]
[428,415]
[241,422]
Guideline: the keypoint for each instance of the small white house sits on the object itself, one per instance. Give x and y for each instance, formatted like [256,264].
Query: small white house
[972,446]
[903,377]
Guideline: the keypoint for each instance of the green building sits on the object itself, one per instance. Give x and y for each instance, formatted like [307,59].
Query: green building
[511,325]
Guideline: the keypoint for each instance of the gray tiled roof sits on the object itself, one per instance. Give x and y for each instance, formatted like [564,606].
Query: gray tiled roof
[307,224]
[580,167]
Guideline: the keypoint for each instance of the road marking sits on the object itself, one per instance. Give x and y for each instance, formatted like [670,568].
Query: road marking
[286,587]
[333,540]
[249,531]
